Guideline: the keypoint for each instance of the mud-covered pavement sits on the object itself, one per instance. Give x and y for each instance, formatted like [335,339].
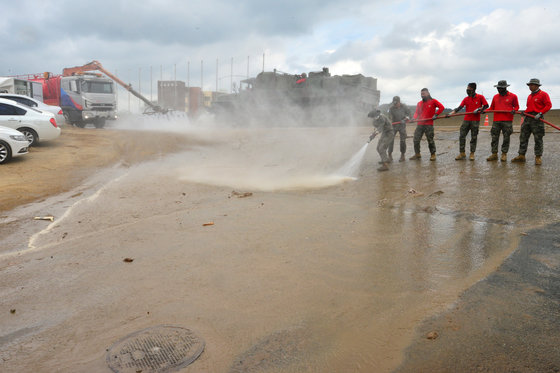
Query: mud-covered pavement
[312,272]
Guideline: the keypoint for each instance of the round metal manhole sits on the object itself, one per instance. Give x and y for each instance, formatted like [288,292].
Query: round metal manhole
[158,349]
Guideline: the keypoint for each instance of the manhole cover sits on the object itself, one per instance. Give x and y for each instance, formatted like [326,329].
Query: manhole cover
[157,349]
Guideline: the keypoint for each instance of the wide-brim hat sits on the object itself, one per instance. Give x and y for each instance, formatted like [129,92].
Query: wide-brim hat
[534,81]
[502,84]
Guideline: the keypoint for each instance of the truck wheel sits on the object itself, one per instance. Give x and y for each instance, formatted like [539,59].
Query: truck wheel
[79,124]
[5,152]
[99,123]
[30,135]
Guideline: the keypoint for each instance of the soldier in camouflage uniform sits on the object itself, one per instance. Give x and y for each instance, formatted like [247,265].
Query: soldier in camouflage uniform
[383,126]
[538,103]
[507,104]
[399,112]
[474,104]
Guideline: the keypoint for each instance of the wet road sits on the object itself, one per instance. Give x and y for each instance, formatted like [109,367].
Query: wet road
[310,273]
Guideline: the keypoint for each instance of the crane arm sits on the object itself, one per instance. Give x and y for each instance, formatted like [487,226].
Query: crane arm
[96,65]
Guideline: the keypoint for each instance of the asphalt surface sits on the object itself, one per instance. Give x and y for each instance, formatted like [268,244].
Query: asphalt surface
[508,322]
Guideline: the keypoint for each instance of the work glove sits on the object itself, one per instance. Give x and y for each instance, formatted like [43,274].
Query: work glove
[522,113]
[372,136]
[434,117]
[403,121]
[513,111]
[538,116]
[478,111]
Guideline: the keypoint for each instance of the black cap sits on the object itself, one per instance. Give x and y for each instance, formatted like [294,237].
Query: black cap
[472,85]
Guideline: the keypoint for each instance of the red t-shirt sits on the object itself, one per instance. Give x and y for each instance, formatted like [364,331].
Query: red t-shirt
[538,102]
[471,104]
[426,110]
[507,102]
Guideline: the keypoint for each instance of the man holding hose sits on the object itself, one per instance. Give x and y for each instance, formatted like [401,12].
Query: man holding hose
[538,103]
[382,125]
[426,112]
[503,121]
[474,104]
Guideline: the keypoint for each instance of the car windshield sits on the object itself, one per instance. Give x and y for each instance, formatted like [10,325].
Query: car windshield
[97,87]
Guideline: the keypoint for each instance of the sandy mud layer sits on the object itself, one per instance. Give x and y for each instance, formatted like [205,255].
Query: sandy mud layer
[252,239]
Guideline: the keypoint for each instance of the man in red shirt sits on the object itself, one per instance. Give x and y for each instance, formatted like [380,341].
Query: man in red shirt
[538,103]
[426,111]
[472,103]
[503,122]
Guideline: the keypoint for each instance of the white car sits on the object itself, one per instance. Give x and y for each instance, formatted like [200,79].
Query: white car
[32,102]
[35,124]
[12,144]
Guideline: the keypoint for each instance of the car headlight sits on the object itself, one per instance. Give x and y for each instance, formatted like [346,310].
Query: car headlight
[18,137]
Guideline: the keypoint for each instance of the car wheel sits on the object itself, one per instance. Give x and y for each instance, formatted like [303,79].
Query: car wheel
[99,123]
[30,135]
[5,152]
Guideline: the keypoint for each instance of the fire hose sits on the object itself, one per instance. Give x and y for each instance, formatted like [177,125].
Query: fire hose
[485,111]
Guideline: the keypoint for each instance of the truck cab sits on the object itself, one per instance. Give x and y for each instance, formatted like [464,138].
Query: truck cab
[88,98]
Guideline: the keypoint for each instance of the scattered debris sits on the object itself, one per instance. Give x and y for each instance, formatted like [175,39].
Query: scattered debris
[240,194]
[381,202]
[438,193]
[64,235]
[128,260]
[524,234]
[415,193]
[432,335]
[13,310]
[51,218]
[208,224]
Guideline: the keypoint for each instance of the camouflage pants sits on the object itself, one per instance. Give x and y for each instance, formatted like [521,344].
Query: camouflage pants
[466,126]
[401,130]
[535,127]
[418,132]
[504,127]
[383,144]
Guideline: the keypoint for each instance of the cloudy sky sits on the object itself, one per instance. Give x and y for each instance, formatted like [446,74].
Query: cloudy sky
[406,45]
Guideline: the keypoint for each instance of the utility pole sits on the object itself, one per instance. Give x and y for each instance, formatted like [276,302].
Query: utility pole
[231,77]
[263,63]
[139,88]
[217,63]
[151,86]
[117,89]
[129,76]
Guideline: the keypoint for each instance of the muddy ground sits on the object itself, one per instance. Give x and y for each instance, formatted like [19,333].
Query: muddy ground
[252,239]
